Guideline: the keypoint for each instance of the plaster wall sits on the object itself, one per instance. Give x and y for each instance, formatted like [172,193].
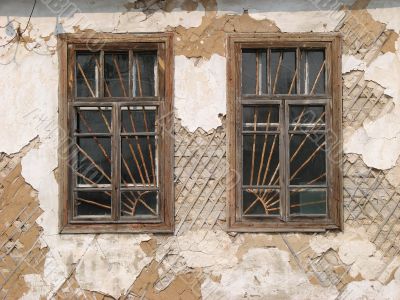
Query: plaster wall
[200,260]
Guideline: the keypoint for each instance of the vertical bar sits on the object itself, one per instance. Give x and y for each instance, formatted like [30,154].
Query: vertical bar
[298,59]
[269,91]
[134,91]
[307,79]
[328,59]
[167,160]
[101,77]
[115,148]
[156,148]
[258,73]
[72,93]
[156,83]
[130,74]
[237,135]
[162,61]
[328,140]
[285,166]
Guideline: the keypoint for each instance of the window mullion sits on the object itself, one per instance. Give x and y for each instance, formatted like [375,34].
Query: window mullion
[284,160]
[116,166]
[269,71]
[101,73]
[130,92]
[298,85]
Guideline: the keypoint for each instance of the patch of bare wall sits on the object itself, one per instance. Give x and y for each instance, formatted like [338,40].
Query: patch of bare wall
[20,251]
[201,260]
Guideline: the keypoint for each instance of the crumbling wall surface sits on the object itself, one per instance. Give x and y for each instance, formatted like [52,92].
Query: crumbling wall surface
[201,260]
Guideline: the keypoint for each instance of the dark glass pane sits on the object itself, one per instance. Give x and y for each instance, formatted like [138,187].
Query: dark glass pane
[261,202]
[116,74]
[249,72]
[138,119]
[93,203]
[306,117]
[94,161]
[93,120]
[138,155]
[254,72]
[307,159]
[87,74]
[283,66]
[261,159]
[313,72]
[139,203]
[263,71]
[308,201]
[144,70]
[261,118]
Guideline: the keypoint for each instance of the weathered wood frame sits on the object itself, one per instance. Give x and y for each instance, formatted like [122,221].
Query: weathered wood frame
[162,42]
[332,43]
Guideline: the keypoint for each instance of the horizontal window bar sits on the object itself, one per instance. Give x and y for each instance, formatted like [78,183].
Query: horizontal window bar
[276,217]
[247,132]
[91,219]
[138,134]
[92,188]
[133,187]
[301,186]
[255,98]
[92,134]
[111,99]
[307,216]
[139,218]
[108,102]
[307,131]
[123,220]
[260,187]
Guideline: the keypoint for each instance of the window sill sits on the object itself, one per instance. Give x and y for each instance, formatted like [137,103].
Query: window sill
[246,226]
[118,228]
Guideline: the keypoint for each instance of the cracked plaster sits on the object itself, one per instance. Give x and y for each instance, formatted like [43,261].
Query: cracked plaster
[378,141]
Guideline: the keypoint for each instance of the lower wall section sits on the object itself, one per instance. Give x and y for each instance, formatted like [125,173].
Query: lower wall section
[201,260]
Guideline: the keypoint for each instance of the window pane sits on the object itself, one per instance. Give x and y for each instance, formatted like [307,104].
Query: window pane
[261,159]
[261,202]
[116,74]
[306,117]
[139,203]
[93,120]
[87,74]
[254,71]
[94,161]
[138,165]
[313,72]
[308,201]
[144,74]
[261,118]
[138,119]
[283,66]
[307,159]
[93,203]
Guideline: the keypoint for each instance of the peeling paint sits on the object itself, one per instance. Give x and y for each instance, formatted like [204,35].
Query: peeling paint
[200,94]
[264,273]
[117,259]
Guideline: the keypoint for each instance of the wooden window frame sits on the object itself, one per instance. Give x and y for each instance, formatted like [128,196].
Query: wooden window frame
[235,42]
[162,42]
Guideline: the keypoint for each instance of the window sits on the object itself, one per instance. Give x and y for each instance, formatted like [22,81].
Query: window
[116,133]
[284,123]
